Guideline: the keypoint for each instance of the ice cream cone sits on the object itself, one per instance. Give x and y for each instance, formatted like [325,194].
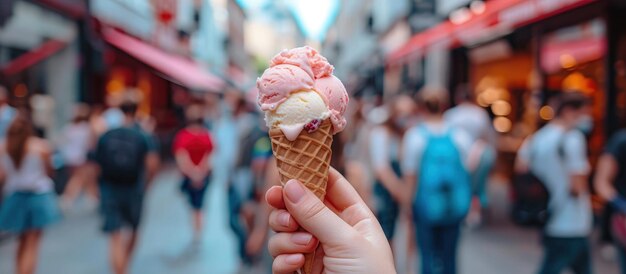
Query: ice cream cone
[307,160]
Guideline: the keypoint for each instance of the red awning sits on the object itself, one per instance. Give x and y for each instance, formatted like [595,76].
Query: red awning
[32,57]
[499,17]
[181,70]
[554,56]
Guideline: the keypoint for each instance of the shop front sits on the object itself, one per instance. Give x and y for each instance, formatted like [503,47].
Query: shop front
[39,66]
[518,54]
[163,81]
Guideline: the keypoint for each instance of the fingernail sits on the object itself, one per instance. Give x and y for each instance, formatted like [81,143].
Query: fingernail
[294,191]
[301,238]
[293,258]
[283,218]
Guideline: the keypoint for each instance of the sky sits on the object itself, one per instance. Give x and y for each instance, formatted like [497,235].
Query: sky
[313,16]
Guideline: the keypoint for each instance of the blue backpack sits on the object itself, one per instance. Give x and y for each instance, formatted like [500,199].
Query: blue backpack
[444,187]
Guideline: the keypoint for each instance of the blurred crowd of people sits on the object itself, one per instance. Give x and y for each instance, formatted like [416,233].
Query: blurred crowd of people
[414,160]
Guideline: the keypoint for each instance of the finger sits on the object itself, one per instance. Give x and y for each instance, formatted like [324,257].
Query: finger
[289,243]
[340,192]
[287,263]
[345,200]
[274,197]
[319,257]
[314,216]
[281,221]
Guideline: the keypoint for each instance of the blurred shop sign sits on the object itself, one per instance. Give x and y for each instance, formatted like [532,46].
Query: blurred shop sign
[164,11]
[568,47]
[495,19]
[493,51]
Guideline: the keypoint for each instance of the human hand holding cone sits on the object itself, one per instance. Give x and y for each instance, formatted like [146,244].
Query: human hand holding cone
[304,106]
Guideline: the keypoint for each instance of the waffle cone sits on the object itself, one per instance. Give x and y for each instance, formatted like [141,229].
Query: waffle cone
[307,160]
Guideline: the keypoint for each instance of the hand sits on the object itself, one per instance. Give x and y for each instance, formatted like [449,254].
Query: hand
[351,239]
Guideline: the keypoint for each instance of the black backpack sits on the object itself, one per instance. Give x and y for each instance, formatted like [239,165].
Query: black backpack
[531,197]
[530,201]
[121,154]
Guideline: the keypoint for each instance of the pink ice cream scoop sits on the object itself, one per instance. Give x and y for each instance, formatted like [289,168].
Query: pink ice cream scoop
[298,70]
[277,82]
[336,96]
[306,58]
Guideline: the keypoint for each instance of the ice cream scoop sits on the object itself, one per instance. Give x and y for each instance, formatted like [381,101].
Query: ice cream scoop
[297,70]
[278,82]
[300,109]
[306,58]
[334,92]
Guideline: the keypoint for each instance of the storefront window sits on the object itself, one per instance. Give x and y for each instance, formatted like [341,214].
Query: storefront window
[573,60]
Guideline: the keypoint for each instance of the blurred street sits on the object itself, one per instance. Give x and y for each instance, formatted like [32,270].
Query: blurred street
[165,248]
[504,120]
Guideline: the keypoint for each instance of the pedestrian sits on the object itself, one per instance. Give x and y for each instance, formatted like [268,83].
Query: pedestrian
[385,146]
[557,155]
[245,190]
[475,121]
[436,174]
[31,204]
[610,184]
[7,113]
[193,147]
[128,162]
[74,145]
[356,149]
[349,234]
[113,116]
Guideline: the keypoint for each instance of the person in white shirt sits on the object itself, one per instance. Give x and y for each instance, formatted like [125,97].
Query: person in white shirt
[557,155]
[384,148]
[75,142]
[30,205]
[475,121]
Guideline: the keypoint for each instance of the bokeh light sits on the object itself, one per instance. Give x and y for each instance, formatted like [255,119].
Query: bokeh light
[501,108]
[546,113]
[502,124]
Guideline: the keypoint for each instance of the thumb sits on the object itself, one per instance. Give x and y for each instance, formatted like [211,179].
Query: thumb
[313,215]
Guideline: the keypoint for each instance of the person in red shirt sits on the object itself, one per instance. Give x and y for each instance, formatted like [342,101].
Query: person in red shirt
[193,146]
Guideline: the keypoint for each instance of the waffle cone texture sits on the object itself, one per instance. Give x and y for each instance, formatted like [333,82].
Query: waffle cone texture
[307,160]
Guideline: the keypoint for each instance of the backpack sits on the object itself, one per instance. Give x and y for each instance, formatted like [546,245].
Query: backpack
[444,187]
[121,153]
[531,197]
[530,201]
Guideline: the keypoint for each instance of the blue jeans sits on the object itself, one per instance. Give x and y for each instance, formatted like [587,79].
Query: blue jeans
[438,247]
[387,209]
[566,253]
